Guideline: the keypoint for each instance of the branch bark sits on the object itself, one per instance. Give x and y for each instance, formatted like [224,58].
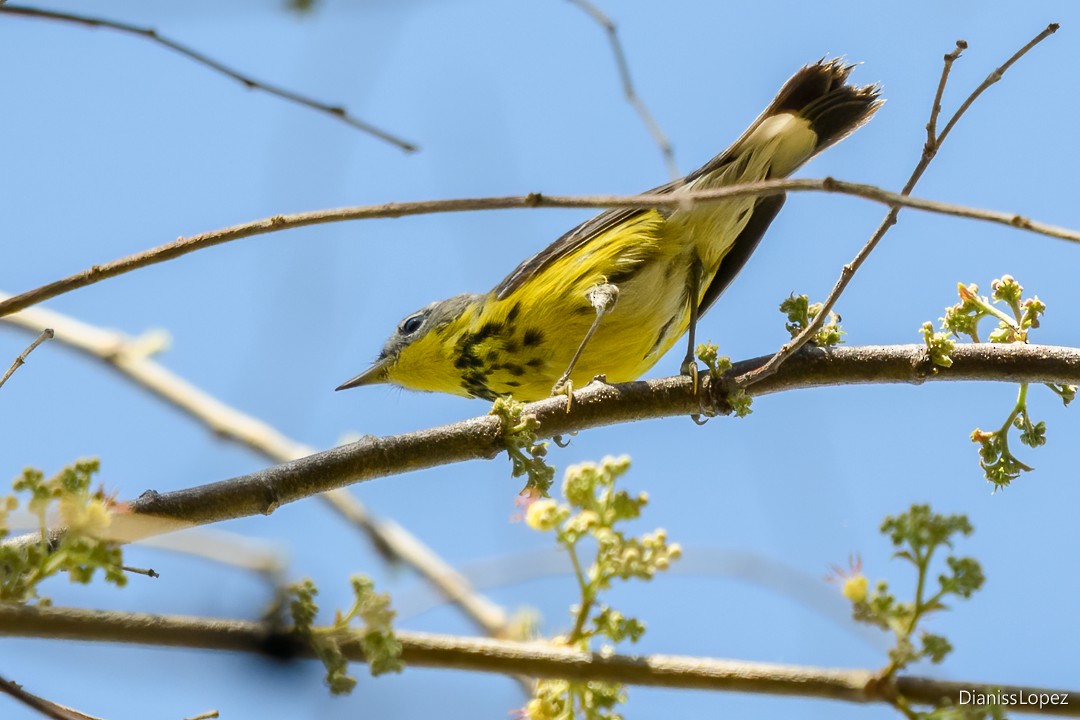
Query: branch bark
[535,659]
[184,245]
[595,405]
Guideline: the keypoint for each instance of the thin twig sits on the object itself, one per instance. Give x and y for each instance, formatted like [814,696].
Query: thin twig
[994,77]
[262,492]
[132,358]
[46,707]
[227,548]
[929,152]
[46,334]
[528,658]
[154,36]
[935,110]
[148,572]
[658,135]
[182,246]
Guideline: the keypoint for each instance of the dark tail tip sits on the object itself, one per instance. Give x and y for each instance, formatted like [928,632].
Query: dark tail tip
[820,93]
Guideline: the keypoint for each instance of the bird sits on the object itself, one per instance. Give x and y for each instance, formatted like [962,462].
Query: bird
[611,296]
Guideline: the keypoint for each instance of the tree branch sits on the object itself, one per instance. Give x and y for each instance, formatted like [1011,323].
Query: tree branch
[526,658]
[593,406]
[153,36]
[183,246]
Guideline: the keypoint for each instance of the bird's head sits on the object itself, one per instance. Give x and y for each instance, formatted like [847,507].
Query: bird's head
[421,353]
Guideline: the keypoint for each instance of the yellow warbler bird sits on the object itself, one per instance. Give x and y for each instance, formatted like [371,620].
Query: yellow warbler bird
[611,296]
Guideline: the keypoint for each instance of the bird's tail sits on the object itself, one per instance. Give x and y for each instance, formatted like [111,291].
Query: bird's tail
[813,110]
[820,94]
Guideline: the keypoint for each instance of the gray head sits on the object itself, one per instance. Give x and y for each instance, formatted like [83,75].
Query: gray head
[413,354]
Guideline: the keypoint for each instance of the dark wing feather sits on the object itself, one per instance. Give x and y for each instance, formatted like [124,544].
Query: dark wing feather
[764,212]
[603,222]
[572,240]
[593,227]
[597,226]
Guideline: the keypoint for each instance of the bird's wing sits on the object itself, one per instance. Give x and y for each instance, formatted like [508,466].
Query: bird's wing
[764,212]
[574,240]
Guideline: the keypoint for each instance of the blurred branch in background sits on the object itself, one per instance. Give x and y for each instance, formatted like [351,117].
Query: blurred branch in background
[132,358]
[539,659]
[657,133]
[153,36]
[218,546]
[185,245]
[226,548]
[739,566]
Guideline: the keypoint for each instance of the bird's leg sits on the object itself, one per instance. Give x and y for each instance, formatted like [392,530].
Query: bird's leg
[693,284]
[602,298]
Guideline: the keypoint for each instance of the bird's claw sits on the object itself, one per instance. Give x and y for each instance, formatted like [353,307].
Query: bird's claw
[565,387]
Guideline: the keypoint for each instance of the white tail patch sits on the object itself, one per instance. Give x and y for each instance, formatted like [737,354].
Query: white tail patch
[789,139]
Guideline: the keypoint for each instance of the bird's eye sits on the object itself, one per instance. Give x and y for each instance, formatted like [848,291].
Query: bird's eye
[412,324]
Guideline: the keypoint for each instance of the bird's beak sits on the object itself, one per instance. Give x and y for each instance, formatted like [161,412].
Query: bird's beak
[372,376]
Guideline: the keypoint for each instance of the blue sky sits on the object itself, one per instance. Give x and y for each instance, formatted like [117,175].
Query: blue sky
[112,145]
